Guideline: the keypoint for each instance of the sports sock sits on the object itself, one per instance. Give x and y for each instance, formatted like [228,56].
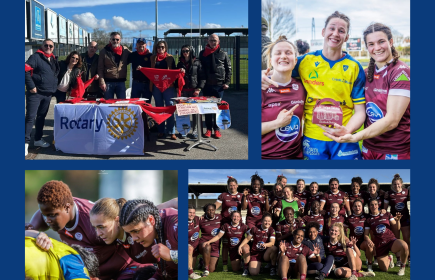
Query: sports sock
[303,276]
[190,271]
[207,268]
[245,265]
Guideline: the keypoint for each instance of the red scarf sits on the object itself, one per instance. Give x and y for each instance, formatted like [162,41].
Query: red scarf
[117,50]
[28,68]
[79,90]
[208,50]
[163,78]
[146,51]
[46,55]
[160,57]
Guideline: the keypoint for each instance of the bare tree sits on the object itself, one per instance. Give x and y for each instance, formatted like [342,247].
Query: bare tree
[101,37]
[281,19]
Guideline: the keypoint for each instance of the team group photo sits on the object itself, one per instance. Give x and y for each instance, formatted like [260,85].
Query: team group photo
[295,228]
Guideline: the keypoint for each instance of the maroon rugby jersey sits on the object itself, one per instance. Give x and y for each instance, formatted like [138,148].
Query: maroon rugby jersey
[329,198]
[399,203]
[256,204]
[335,249]
[284,142]
[234,234]
[112,257]
[292,252]
[316,218]
[302,197]
[136,251]
[352,197]
[389,80]
[230,203]
[329,223]
[379,198]
[356,225]
[311,198]
[381,228]
[209,229]
[283,227]
[260,236]
[169,217]
[193,232]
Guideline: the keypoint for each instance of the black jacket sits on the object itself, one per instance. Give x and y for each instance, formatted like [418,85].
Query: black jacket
[194,77]
[44,76]
[216,67]
[94,87]
[63,65]
[143,60]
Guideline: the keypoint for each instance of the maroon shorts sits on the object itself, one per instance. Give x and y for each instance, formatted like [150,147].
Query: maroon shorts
[405,221]
[214,249]
[257,256]
[341,261]
[234,254]
[368,154]
[384,249]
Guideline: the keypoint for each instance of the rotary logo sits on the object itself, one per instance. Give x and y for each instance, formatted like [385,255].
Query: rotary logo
[122,123]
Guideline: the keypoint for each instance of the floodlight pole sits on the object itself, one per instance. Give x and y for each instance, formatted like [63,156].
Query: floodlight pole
[157,20]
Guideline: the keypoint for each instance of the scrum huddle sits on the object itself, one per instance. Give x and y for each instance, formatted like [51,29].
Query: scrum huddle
[303,231]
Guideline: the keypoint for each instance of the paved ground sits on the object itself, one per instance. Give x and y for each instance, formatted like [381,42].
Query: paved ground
[232,145]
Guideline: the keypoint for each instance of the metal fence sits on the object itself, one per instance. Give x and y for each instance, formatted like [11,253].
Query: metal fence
[235,46]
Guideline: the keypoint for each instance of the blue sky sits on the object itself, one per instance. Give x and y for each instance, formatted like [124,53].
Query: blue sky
[133,15]
[309,175]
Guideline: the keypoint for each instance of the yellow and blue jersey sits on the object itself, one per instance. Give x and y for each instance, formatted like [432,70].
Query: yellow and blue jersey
[342,80]
[61,262]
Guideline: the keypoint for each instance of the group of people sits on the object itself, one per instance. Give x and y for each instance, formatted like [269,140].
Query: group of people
[300,231]
[208,74]
[108,239]
[377,97]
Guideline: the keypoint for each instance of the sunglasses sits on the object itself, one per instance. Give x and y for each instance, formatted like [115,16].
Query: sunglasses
[116,40]
[48,46]
[212,40]
[161,47]
[75,58]
[185,51]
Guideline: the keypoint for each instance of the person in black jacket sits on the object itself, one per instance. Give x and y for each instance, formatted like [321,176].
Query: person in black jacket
[193,77]
[141,83]
[40,87]
[67,77]
[90,69]
[217,71]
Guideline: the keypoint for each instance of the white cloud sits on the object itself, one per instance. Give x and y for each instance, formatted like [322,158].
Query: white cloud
[86,3]
[212,25]
[123,24]
[89,20]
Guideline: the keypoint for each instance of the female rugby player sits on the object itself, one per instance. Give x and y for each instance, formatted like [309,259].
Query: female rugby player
[330,73]
[159,229]
[256,202]
[384,227]
[386,132]
[315,216]
[288,201]
[314,195]
[262,249]
[235,233]
[335,195]
[301,193]
[333,217]
[285,228]
[282,104]
[355,192]
[374,192]
[193,235]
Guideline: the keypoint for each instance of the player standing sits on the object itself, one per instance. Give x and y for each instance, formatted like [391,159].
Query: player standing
[335,195]
[193,235]
[256,202]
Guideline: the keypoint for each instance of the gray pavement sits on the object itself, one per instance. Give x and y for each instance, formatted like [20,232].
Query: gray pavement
[232,145]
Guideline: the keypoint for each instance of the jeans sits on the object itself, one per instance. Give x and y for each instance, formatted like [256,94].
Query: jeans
[37,105]
[113,88]
[141,90]
[216,91]
[163,99]
[60,96]
[324,266]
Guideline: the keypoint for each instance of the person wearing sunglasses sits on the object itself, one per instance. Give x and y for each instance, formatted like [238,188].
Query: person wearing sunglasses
[112,67]
[67,77]
[193,77]
[40,87]
[217,72]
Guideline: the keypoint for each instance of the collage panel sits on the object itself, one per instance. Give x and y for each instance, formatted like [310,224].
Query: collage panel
[335,80]
[101,225]
[299,223]
[136,80]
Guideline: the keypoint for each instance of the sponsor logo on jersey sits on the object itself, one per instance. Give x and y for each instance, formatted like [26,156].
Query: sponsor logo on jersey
[234,241]
[302,204]
[308,150]
[290,132]
[215,231]
[345,67]
[297,102]
[403,76]
[316,63]
[78,236]
[403,67]
[373,112]
[376,77]
[232,209]
[194,236]
[391,157]
[364,149]
[400,206]
[269,90]
[284,90]
[259,244]
[295,86]
[348,153]
[130,240]
[168,244]
[276,104]
[314,83]
[382,91]
[381,229]
[359,231]
[313,75]
[338,259]
[255,210]
[143,253]
[69,234]
[292,261]
[320,228]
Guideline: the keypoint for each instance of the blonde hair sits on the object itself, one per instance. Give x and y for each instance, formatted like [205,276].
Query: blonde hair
[108,207]
[267,55]
[342,237]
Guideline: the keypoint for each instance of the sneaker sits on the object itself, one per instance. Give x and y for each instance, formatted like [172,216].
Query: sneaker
[205,273]
[195,133]
[201,263]
[217,134]
[353,277]
[225,268]
[245,272]
[369,268]
[194,276]
[320,277]
[401,271]
[399,263]
[391,261]
[27,149]
[272,271]
[207,134]
[181,136]
[41,143]
[366,274]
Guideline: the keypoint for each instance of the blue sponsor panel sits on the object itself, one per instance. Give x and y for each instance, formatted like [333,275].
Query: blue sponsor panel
[292,261]
[234,241]
[290,132]
[359,231]
[215,231]
[194,236]
[381,229]
[259,245]
[37,20]
[80,36]
[232,209]
[373,112]
[255,210]
[400,206]
[62,29]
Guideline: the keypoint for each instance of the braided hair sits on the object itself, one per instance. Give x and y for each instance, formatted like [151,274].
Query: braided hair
[375,27]
[138,210]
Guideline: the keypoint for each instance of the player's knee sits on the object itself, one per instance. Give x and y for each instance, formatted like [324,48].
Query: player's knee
[191,250]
